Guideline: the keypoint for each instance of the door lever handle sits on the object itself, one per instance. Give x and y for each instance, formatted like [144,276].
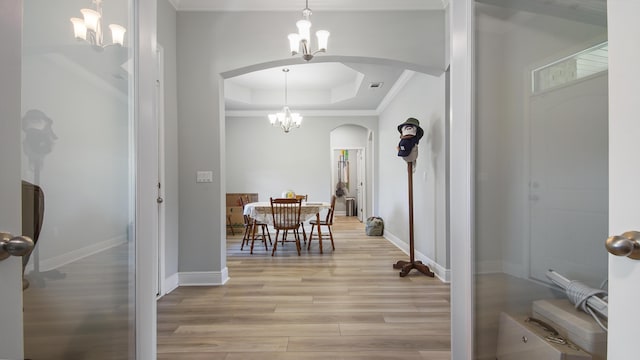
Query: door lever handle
[627,244]
[14,245]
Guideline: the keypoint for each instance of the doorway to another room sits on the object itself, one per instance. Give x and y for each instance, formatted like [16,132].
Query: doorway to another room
[349,170]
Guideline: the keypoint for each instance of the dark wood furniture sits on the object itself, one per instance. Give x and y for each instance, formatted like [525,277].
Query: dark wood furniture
[286,217]
[250,229]
[328,222]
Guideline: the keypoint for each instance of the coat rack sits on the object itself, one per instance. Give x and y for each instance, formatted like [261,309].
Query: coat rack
[410,134]
[407,266]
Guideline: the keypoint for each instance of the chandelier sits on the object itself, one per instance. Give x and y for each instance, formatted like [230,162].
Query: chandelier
[285,118]
[302,40]
[90,27]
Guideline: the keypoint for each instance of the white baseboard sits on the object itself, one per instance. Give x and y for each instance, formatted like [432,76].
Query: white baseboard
[75,255]
[171,283]
[441,272]
[203,278]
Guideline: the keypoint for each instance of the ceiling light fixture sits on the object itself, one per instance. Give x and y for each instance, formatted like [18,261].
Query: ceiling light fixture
[302,40]
[285,118]
[90,27]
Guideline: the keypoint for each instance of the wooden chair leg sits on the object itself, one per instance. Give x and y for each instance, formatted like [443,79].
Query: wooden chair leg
[245,237]
[331,237]
[275,244]
[304,233]
[264,239]
[311,236]
[266,228]
[297,237]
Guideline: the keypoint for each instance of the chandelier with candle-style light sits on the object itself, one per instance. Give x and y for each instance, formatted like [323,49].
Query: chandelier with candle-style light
[89,28]
[285,118]
[301,42]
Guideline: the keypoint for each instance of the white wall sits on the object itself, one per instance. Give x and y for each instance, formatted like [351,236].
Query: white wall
[262,158]
[423,98]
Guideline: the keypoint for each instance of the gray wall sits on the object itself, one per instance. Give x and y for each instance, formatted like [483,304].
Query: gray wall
[167,39]
[210,44]
[423,97]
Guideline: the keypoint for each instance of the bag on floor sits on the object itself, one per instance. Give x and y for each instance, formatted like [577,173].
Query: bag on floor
[374,226]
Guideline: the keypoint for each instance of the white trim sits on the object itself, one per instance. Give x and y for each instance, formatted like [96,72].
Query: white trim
[203,278]
[402,81]
[305,113]
[462,28]
[171,283]
[77,254]
[442,273]
[161,207]
[146,172]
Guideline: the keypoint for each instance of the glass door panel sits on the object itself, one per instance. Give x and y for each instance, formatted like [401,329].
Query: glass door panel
[78,194]
[541,160]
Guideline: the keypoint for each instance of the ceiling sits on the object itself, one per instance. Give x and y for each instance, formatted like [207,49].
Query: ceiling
[317,87]
[321,5]
[324,87]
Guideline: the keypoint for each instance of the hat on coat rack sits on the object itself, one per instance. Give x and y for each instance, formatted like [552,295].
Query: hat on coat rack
[414,122]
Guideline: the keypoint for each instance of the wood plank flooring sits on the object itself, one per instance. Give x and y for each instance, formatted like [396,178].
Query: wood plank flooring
[345,304]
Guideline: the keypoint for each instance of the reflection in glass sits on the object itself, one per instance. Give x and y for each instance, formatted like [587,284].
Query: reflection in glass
[541,163]
[77,148]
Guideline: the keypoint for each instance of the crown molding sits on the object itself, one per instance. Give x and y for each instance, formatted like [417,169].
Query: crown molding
[395,89]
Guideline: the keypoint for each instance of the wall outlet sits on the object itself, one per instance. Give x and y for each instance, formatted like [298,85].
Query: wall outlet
[204,176]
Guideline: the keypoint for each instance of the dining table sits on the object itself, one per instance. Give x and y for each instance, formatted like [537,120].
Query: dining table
[261,212]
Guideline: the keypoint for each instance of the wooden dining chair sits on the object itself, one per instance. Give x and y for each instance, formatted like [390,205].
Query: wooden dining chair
[304,198]
[249,229]
[328,222]
[286,217]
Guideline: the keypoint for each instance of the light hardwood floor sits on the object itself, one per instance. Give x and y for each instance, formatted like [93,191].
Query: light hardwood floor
[344,304]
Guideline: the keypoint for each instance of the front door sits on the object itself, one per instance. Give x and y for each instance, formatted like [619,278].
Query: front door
[67,128]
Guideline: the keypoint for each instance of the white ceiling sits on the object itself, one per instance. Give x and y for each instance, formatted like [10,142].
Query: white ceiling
[322,87]
[312,86]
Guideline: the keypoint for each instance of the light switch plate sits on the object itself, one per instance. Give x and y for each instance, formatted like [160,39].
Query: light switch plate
[204,176]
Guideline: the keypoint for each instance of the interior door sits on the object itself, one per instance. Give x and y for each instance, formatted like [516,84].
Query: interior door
[10,269]
[624,172]
[360,198]
[67,128]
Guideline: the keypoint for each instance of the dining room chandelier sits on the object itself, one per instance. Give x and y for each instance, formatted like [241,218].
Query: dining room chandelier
[301,42]
[285,118]
[89,28]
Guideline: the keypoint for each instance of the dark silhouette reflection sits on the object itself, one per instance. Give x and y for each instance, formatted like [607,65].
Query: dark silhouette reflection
[38,142]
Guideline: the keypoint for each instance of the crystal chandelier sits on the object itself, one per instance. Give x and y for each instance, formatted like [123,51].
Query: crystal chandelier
[285,118]
[89,28]
[302,40]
